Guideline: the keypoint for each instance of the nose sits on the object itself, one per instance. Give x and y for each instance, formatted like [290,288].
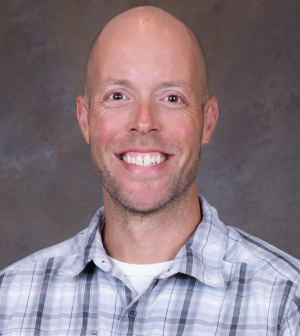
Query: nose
[144,118]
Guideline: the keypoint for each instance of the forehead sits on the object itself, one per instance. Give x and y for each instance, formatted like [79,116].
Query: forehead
[156,52]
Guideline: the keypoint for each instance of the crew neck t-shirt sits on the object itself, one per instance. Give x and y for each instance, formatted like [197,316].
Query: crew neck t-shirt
[140,276]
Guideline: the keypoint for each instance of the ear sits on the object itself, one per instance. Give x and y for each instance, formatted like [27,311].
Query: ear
[83,117]
[211,114]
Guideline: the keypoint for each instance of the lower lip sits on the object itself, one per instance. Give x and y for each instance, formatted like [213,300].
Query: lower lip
[141,169]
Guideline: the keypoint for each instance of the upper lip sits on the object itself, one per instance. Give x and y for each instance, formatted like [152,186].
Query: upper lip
[141,150]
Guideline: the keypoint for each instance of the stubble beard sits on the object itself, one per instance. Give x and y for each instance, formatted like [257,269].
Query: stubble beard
[177,187]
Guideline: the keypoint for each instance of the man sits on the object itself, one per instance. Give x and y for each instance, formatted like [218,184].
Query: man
[158,261]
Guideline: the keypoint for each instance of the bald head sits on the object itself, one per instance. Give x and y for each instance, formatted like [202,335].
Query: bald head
[152,29]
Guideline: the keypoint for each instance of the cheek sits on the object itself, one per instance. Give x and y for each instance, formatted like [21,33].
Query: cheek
[105,127]
[185,131]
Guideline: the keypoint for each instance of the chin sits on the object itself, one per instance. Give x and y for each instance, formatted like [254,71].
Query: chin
[141,203]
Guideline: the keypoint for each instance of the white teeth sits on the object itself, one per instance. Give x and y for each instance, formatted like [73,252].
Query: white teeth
[147,161]
[139,161]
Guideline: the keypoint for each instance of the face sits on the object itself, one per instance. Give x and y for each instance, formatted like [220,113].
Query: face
[145,124]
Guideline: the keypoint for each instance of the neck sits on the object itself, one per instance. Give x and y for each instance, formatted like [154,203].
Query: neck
[150,238]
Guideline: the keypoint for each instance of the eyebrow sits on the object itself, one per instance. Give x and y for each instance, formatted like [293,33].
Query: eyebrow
[174,83]
[127,83]
[123,82]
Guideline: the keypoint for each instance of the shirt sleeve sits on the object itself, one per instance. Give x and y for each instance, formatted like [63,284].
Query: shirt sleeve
[291,324]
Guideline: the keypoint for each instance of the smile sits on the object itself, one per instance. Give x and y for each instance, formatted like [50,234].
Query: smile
[144,159]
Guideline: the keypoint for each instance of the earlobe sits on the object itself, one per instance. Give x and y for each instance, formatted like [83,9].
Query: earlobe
[211,114]
[82,116]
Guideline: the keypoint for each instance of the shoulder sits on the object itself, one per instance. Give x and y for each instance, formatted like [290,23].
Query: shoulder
[55,259]
[243,247]
[25,284]
[59,255]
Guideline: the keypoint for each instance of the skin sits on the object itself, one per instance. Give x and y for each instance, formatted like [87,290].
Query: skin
[151,61]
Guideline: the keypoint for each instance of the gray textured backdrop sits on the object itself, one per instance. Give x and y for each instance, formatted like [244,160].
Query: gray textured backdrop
[250,170]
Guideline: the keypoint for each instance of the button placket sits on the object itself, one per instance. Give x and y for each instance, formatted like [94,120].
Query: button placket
[131,314]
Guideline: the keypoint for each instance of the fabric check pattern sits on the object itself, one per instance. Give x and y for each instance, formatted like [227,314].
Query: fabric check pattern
[222,282]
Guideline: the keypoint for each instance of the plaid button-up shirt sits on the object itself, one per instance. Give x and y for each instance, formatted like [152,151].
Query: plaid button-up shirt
[222,282]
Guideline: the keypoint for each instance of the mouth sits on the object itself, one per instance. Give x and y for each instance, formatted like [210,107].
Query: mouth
[144,159]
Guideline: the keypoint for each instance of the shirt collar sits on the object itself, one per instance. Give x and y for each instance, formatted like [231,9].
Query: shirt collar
[89,247]
[201,257]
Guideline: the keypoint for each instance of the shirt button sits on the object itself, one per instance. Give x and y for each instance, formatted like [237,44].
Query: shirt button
[132,313]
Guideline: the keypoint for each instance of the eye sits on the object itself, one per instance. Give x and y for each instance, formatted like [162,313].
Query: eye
[173,99]
[116,96]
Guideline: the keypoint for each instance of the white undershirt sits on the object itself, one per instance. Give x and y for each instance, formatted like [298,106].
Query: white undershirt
[140,276]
